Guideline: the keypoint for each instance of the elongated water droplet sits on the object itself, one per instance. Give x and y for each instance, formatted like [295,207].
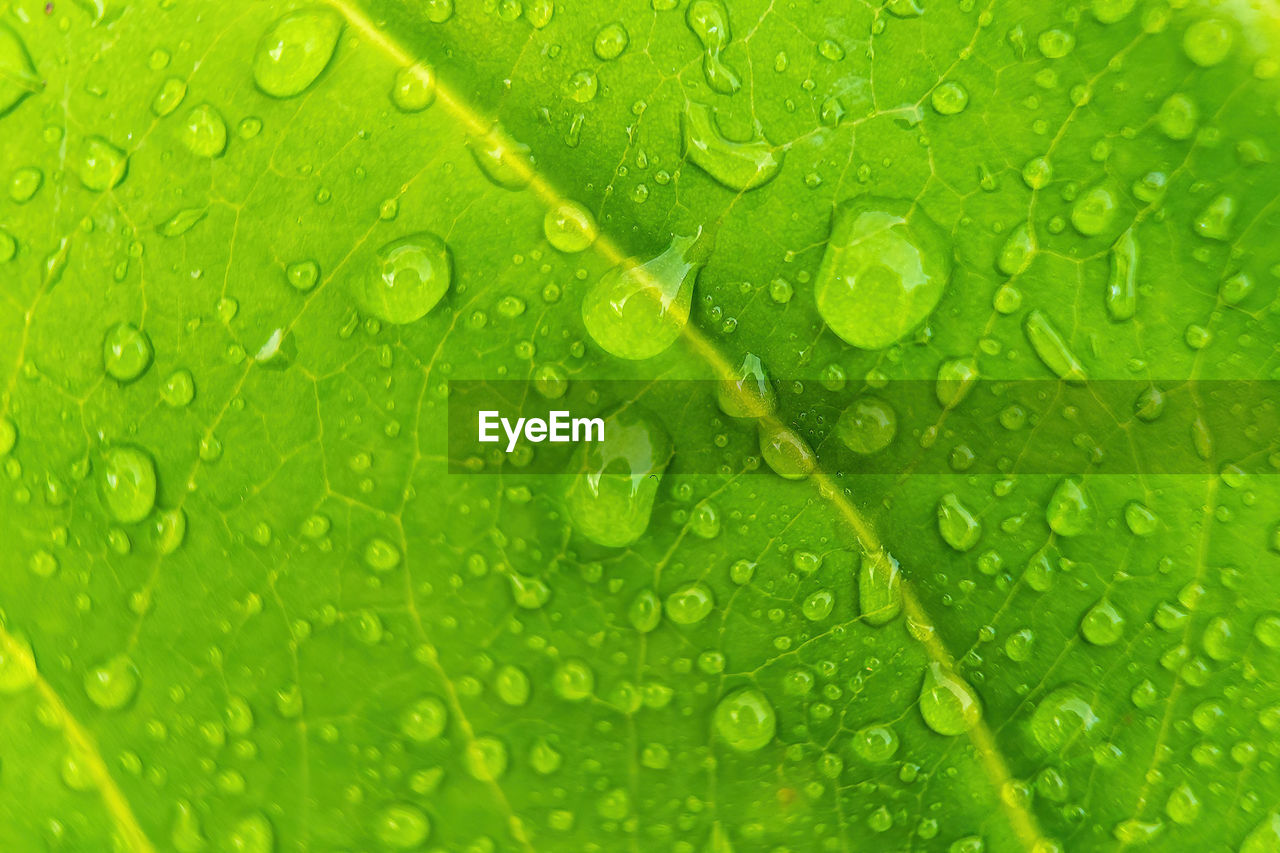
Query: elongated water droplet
[645,612]
[784,450]
[1069,511]
[947,703]
[128,483]
[956,378]
[295,50]
[708,20]
[1017,251]
[181,222]
[879,588]
[504,161]
[637,310]
[1122,286]
[739,166]
[1062,716]
[959,527]
[409,277]
[1052,348]
[616,480]
[884,270]
[749,394]
[8,435]
[745,720]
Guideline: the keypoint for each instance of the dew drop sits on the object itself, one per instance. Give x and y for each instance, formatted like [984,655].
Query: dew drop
[102,165]
[1052,349]
[690,603]
[410,275]
[867,425]
[112,684]
[1103,624]
[875,744]
[611,40]
[883,272]
[947,703]
[739,166]
[638,310]
[1069,510]
[128,483]
[749,394]
[1207,42]
[879,588]
[949,98]
[295,50]
[957,524]
[402,826]
[414,88]
[504,161]
[1018,250]
[784,451]
[424,720]
[745,720]
[1122,286]
[570,227]
[708,20]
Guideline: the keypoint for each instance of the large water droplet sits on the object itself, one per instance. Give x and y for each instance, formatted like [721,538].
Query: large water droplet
[128,483]
[947,703]
[126,352]
[295,50]
[570,227]
[867,425]
[1102,624]
[739,166]
[409,277]
[1017,252]
[879,588]
[1062,716]
[616,480]
[637,310]
[745,720]
[884,270]
[1265,837]
[112,684]
[784,450]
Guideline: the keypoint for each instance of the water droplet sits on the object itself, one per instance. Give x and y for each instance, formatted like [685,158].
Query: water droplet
[169,96]
[947,703]
[205,132]
[18,77]
[1122,286]
[1103,624]
[1178,117]
[1069,511]
[113,684]
[424,720]
[295,50]
[1111,11]
[409,277]
[1215,221]
[102,165]
[884,270]
[253,834]
[1140,519]
[570,227]
[879,588]
[380,555]
[745,720]
[749,394]
[402,826]
[956,378]
[128,483]
[959,527]
[784,451]
[637,310]
[645,612]
[1093,211]
[616,480]
[414,88]
[170,530]
[949,98]
[179,389]
[867,425]
[611,40]
[582,86]
[181,222]
[1017,251]
[690,604]
[573,680]
[1055,44]
[875,744]
[1207,42]
[1062,716]
[504,161]
[1052,349]
[17,664]
[708,20]
[739,166]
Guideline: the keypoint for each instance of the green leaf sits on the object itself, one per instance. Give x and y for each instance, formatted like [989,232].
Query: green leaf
[962,535]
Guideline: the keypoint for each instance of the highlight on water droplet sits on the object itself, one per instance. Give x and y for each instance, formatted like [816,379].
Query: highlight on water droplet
[745,720]
[738,165]
[295,50]
[638,310]
[616,480]
[948,704]
[409,276]
[884,270]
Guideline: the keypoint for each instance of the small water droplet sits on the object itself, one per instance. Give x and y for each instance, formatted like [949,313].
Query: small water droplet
[745,720]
